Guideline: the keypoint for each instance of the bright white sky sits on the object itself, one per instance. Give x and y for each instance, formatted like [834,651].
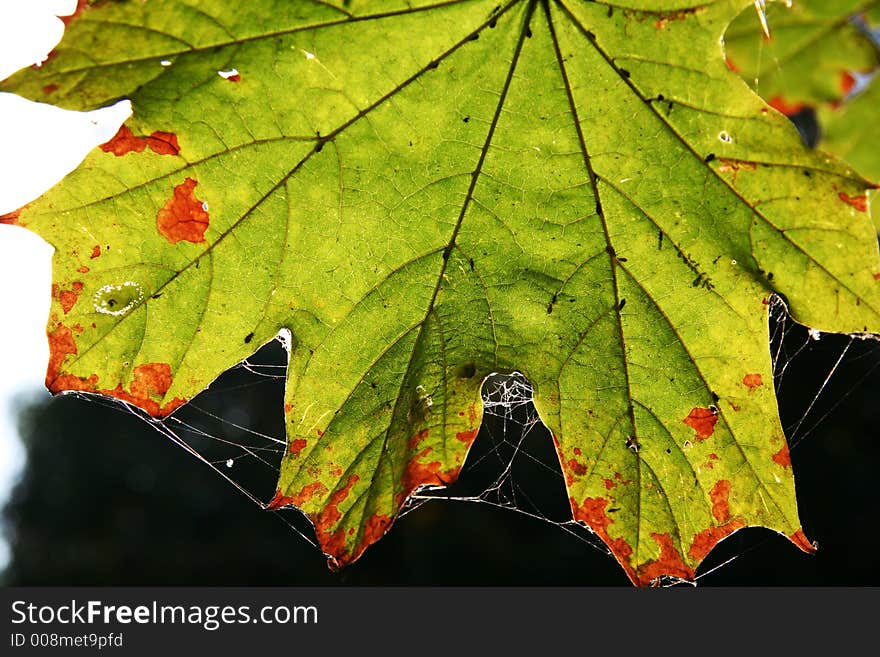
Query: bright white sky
[39,144]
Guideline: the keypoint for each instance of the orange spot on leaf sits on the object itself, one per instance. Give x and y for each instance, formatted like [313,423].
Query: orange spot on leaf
[782,105]
[730,65]
[782,457]
[719,494]
[800,539]
[860,203]
[184,216]
[702,421]
[847,82]
[669,562]
[10,218]
[709,538]
[592,512]
[296,446]
[96,251]
[50,89]
[467,437]
[125,142]
[752,381]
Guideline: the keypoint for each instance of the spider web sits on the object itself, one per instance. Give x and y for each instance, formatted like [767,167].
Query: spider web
[512,466]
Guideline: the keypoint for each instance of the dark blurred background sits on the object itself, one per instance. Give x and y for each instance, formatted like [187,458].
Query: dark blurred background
[106,499]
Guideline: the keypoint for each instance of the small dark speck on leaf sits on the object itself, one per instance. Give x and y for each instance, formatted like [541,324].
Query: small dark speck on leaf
[466,119]
[624,72]
[248,337]
[433,65]
[659,240]
[465,371]
[493,23]
[668,451]
[710,157]
[157,295]
[621,304]
[474,36]
[528,33]
[610,11]
[471,263]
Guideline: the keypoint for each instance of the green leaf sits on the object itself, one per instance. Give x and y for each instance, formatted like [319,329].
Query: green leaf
[426,192]
[814,49]
[852,131]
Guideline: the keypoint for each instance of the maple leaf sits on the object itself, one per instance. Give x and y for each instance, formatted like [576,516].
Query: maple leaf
[423,193]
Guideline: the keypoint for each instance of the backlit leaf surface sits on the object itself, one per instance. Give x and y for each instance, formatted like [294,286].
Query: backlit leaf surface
[427,192]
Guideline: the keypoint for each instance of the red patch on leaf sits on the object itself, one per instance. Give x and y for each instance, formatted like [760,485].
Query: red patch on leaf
[877,277]
[413,442]
[752,381]
[730,65]
[782,457]
[702,421]
[184,216]
[800,539]
[668,563]
[10,218]
[467,437]
[847,82]
[719,494]
[860,203]
[710,464]
[578,468]
[296,446]
[96,251]
[609,484]
[61,345]
[417,473]
[709,538]
[67,298]
[592,512]
[50,89]
[151,380]
[83,269]
[782,105]
[81,5]
[125,142]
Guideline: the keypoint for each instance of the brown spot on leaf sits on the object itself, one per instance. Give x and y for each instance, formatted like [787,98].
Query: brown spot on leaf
[669,562]
[782,457]
[710,464]
[782,105]
[709,538]
[860,203]
[752,381]
[125,142]
[609,484]
[183,217]
[83,269]
[702,421]
[719,494]
[50,89]
[800,539]
[296,446]
[96,251]
[592,512]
